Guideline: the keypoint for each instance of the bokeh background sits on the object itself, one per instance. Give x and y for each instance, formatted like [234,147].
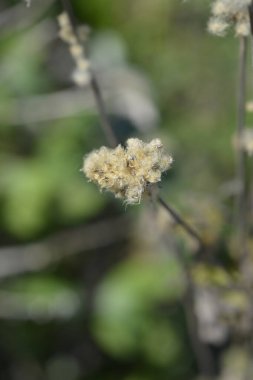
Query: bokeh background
[89,289]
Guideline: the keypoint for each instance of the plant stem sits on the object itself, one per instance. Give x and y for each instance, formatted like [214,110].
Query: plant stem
[105,123]
[251,17]
[241,215]
[202,353]
[181,221]
[104,120]
[204,357]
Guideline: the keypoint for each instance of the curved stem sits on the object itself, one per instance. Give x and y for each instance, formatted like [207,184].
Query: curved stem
[104,119]
[178,218]
[105,123]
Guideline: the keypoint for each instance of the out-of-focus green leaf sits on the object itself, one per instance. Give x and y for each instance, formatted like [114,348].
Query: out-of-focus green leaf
[125,301]
[161,344]
[21,62]
[78,199]
[27,198]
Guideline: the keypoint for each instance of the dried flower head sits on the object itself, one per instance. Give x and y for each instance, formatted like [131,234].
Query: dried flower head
[226,13]
[245,141]
[81,75]
[249,106]
[126,172]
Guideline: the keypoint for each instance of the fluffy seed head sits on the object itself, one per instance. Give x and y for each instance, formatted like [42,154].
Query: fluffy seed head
[126,172]
[246,141]
[227,13]
[217,26]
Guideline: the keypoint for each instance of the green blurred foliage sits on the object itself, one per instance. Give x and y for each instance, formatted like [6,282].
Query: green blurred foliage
[135,319]
[51,178]
[124,319]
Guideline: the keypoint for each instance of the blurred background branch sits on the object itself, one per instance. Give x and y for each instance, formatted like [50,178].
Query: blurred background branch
[18,260]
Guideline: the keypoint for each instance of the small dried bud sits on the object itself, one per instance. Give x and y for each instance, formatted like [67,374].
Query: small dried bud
[127,172]
[83,64]
[217,26]
[242,27]
[81,75]
[67,36]
[63,20]
[76,50]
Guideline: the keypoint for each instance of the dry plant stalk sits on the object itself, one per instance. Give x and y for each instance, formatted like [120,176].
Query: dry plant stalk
[225,14]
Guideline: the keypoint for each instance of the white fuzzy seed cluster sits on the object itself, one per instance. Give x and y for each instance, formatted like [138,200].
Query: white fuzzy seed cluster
[226,13]
[246,141]
[81,75]
[249,106]
[126,172]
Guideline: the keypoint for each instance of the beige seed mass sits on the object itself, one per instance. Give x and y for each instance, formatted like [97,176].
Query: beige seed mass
[126,172]
[226,13]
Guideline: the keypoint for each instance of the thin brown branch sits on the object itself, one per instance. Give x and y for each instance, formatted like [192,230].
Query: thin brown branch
[251,17]
[178,218]
[204,358]
[104,119]
[102,112]
[202,353]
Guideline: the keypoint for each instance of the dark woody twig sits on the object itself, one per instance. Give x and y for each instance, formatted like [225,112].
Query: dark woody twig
[181,221]
[202,353]
[251,17]
[102,112]
[105,123]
